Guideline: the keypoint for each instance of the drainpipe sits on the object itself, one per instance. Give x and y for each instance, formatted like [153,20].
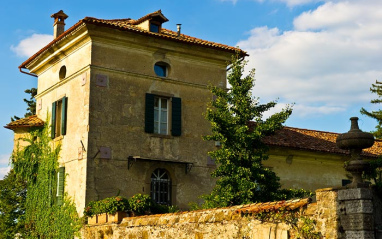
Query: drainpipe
[31,74]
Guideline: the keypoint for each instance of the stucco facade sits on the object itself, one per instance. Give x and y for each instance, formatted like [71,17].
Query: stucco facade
[99,72]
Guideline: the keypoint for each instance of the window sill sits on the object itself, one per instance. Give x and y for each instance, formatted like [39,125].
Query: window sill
[59,138]
[165,136]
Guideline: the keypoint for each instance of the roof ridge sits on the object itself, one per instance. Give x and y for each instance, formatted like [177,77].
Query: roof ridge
[313,130]
[130,25]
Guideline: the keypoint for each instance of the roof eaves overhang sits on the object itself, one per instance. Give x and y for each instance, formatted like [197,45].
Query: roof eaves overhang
[89,20]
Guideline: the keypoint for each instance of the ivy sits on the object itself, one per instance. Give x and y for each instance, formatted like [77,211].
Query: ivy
[37,164]
[303,227]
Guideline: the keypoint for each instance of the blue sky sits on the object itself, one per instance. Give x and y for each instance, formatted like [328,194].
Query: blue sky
[320,55]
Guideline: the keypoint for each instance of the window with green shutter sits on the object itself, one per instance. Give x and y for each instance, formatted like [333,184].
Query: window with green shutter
[60,185]
[59,117]
[163,115]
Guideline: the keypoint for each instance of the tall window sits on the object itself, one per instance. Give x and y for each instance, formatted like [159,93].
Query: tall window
[60,185]
[59,117]
[160,115]
[159,110]
[161,186]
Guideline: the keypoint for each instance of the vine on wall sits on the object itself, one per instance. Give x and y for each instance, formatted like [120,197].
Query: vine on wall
[303,227]
[37,164]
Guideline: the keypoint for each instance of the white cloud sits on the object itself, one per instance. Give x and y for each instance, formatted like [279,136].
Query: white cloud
[4,171]
[29,46]
[290,3]
[326,63]
[4,159]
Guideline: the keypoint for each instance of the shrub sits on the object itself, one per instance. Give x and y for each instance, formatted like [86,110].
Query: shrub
[140,204]
[108,205]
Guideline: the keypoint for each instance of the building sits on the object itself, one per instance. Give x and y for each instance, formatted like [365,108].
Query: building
[310,159]
[126,100]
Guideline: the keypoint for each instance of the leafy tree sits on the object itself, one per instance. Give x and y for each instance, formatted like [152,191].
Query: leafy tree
[242,178]
[374,172]
[31,110]
[377,115]
[12,205]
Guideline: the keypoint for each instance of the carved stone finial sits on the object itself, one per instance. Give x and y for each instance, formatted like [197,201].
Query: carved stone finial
[355,140]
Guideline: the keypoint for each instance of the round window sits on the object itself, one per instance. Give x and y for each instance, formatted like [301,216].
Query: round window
[62,73]
[161,69]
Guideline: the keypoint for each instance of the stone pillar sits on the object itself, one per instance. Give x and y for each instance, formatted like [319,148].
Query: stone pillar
[356,213]
[327,213]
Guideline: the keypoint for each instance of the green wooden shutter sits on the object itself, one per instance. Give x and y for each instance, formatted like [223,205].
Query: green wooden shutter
[63,115]
[60,185]
[176,127]
[149,113]
[53,124]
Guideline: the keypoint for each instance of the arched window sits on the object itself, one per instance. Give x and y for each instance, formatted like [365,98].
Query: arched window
[161,69]
[161,186]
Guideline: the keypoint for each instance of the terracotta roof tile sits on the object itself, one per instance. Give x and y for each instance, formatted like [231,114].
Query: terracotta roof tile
[314,140]
[31,121]
[274,206]
[128,24]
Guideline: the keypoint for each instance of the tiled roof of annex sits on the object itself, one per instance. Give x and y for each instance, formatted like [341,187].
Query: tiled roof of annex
[31,121]
[131,25]
[314,140]
[289,205]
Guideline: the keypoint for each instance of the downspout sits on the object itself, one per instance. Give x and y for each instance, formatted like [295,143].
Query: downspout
[240,60]
[31,74]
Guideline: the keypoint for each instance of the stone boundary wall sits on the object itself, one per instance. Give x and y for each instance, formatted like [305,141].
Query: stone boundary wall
[342,213]
[231,222]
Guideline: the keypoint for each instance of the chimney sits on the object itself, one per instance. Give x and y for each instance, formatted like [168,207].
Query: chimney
[178,27]
[59,23]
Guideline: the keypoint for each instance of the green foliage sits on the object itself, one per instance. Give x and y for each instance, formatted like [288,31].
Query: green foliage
[304,227]
[377,115]
[374,173]
[37,164]
[31,110]
[140,203]
[108,205]
[287,194]
[12,205]
[241,176]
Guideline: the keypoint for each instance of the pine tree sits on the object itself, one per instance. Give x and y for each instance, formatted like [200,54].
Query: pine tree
[241,176]
[377,115]
[31,110]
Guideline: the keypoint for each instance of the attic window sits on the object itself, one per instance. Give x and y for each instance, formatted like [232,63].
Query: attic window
[154,27]
[161,69]
[62,72]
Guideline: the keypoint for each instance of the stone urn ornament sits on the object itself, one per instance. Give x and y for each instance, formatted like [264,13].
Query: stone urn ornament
[355,140]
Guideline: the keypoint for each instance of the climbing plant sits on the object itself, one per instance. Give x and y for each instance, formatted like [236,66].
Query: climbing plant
[303,226]
[37,164]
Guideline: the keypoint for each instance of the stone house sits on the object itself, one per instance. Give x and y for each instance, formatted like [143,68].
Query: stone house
[126,100]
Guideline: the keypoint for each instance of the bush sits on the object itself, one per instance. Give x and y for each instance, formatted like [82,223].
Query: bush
[108,205]
[141,204]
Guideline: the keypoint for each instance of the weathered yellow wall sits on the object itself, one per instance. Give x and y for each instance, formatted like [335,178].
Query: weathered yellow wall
[75,86]
[118,114]
[307,170]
